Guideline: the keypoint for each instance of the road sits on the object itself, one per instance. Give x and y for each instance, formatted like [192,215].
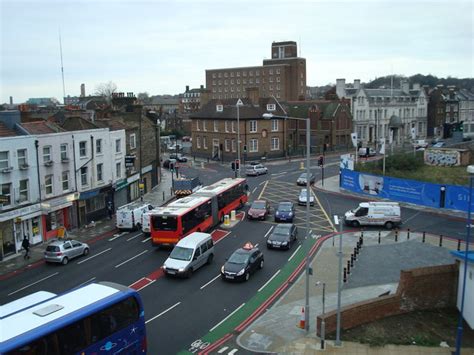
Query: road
[180,311]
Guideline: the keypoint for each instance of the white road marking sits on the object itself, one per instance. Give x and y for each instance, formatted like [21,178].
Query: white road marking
[34,283]
[263,182]
[233,351]
[223,349]
[266,234]
[283,172]
[255,189]
[146,240]
[210,281]
[86,282]
[266,283]
[222,321]
[93,256]
[148,284]
[292,255]
[133,257]
[166,310]
[117,236]
[135,236]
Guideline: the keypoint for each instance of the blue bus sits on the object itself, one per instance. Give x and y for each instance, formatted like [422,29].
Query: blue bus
[98,318]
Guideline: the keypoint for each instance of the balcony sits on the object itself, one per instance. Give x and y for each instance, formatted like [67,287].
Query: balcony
[48,163]
[65,160]
[6,170]
[24,166]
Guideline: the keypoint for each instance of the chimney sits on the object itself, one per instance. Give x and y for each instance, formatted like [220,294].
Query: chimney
[202,87]
[83,90]
[356,83]
[205,97]
[11,100]
[341,88]
[405,86]
[416,86]
[187,88]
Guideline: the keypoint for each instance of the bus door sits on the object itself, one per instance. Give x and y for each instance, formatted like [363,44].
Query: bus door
[214,210]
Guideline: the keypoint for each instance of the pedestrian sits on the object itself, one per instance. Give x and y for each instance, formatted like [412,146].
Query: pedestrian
[26,245]
[110,209]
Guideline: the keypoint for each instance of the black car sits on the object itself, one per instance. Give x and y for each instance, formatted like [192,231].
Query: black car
[282,237]
[285,212]
[303,181]
[242,263]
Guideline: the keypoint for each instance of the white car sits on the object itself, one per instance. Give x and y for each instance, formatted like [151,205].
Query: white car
[302,198]
[255,170]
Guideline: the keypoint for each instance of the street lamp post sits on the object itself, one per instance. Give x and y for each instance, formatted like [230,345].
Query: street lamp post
[238,104]
[308,196]
[470,170]
[339,222]
[323,323]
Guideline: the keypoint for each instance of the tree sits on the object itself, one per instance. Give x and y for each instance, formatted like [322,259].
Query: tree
[144,97]
[106,90]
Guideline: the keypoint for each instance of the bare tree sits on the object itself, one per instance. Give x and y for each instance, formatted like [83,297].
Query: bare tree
[144,97]
[106,90]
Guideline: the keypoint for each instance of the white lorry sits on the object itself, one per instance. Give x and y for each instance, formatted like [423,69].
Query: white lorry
[129,216]
[385,214]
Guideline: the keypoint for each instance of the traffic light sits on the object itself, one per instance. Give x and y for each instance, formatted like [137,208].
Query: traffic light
[321,161]
[237,165]
[233,165]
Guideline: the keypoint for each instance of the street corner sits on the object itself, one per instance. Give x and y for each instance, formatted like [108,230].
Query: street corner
[230,222]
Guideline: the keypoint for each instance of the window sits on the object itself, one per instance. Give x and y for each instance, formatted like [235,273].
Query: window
[100,175]
[48,184]
[84,176]
[133,141]
[65,180]
[4,160]
[46,153]
[98,146]
[233,145]
[215,126]
[278,71]
[118,170]
[198,142]
[253,126]
[197,125]
[6,192]
[204,128]
[63,149]
[271,107]
[253,146]
[82,149]
[274,125]
[22,157]
[233,126]
[227,145]
[23,190]
[226,124]
[118,145]
[275,143]
[204,142]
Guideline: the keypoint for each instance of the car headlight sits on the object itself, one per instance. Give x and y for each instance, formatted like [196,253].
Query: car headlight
[181,270]
[241,272]
[164,267]
[222,269]
[277,213]
[291,214]
[284,243]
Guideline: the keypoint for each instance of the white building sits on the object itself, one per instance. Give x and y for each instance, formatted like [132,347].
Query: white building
[468,311]
[390,114]
[466,111]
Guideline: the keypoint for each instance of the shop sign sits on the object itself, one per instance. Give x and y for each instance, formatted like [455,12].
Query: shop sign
[130,160]
[59,202]
[133,178]
[4,199]
[121,184]
[5,216]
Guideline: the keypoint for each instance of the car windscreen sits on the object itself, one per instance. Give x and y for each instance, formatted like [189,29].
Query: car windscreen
[258,205]
[281,230]
[180,253]
[164,223]
[52,248]
[238,258]
[284,207]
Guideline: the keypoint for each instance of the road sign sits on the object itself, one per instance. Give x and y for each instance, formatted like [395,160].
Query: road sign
[239,103]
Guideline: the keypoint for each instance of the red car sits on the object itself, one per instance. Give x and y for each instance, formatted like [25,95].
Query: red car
[259,210]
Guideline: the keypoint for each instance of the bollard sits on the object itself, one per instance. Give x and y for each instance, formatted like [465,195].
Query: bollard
[379,237]
[202,165]
[360,242]
[301,166]
[232,215]
[345,275]
[352,260]
[348,267]
[361,237]
[355,254]
[396,235]
[424,236]
[226,220]
[459,244]
[163,195]
[408,234]
[440,240]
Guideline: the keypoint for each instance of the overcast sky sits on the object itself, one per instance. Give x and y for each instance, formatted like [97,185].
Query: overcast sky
[162,46]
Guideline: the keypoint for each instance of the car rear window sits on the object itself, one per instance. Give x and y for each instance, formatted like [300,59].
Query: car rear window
[52,248]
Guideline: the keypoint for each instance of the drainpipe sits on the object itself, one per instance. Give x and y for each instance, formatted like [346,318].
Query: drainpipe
[37,170]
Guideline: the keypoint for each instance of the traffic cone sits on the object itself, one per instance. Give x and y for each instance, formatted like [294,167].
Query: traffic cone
[302,324]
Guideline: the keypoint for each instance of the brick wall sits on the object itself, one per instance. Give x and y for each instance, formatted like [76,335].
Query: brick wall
[421,288]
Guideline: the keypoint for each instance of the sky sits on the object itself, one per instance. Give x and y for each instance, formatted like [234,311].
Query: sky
[161,46]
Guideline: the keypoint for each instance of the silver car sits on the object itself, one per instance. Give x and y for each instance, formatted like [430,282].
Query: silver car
[63,250]
[255,170]
[302,198]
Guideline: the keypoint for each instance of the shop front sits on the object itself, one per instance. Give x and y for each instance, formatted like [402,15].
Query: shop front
[133,187]
[120,193]
[57,215]
[93,204]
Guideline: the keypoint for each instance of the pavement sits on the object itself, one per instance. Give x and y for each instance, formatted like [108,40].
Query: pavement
[276,331]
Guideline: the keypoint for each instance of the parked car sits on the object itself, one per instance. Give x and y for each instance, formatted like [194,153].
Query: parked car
[258,210]
[186,139]
[179,157]
[255,170]
[439,145]
[175,147]
[283,236]
[387,214]
[366,152]
[302,179]
[420,143]
[63,250]
[242,263]
[302,198]
[285,212]
[168,162]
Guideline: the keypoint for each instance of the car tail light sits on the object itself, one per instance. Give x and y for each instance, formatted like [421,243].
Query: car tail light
[59,254]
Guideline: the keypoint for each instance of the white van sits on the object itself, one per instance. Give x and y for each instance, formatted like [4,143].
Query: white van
[190,254]
[130,216]
[385,214]
[367,152]
[146,221]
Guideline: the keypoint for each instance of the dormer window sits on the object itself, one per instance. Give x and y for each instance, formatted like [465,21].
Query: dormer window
[271,107]
[219,108]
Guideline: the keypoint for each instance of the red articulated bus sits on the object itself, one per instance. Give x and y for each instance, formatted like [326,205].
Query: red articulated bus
[198,212]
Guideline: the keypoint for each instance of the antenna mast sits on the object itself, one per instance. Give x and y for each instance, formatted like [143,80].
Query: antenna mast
[62,68]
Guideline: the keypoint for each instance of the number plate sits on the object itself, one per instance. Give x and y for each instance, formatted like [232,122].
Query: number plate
[229,277]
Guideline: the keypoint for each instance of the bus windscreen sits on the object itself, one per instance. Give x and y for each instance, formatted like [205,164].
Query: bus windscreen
[164,223]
